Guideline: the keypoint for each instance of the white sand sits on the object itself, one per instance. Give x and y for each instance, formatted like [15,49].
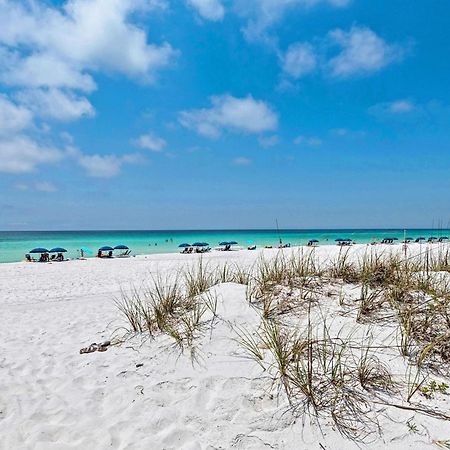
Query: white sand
[51,397]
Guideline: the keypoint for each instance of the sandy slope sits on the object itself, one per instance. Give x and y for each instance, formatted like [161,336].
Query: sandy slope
[51,397]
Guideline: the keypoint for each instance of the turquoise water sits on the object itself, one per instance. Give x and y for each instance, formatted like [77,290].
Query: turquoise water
[14,245]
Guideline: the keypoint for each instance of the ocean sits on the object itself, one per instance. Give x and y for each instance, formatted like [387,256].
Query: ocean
[15,244]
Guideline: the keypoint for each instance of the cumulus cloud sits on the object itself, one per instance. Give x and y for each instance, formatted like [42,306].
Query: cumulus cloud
[45,186]
[151,141]
[63,43]
[362,51]
[241,161]
[49,55]
[231,113]
[208,9]
[310,141]
[268,141]
[56,104]
[102,166]
[299,60]
[20,154]
[397,107]
[13,118]
[263,14]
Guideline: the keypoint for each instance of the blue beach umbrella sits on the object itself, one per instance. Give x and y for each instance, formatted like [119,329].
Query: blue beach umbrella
[106,248]
[339,240]
[39,250]
[121,247]
[314,240]
[225,243]
[233,243]
[58,250]
[185,245]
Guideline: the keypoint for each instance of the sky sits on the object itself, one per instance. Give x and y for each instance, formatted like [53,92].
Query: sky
[216,114]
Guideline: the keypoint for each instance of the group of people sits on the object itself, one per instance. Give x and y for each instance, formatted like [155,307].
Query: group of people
[101,254]
[45,257]
[196,250]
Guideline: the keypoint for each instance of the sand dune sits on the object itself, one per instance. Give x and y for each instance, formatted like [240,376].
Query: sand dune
[143,394]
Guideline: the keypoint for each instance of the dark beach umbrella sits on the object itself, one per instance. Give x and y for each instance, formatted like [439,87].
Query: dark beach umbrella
[58,250]
[233,243]
[339,240]
[204,244]
[39,250]
[444,238]
[314,240]
[106,248]
[121,247]
[185,245]
[225,243]
[432,238]
[420,239]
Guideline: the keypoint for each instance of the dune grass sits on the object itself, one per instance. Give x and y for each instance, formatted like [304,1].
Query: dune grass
[322,374]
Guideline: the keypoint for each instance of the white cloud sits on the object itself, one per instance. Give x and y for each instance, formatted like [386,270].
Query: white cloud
[45,186]
[299,60]
[401,106]
[63,43]
[151,141]
[208,9]
[56,104]
[310,141]
[13,118]
[241,161]
[230,113]
[42,70]
[362,51]
[262,14]
[21,154]
[347,133]
[268,141]
[102,166]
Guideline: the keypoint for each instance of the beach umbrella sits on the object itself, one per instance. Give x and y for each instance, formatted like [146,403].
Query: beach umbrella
[58,250]
[314,240]
[121,247]
[106,248]
[339,240]
[200,244]
[184,245]
[225,243]
[39,250]
[444,238]
[233,243]
[420,239]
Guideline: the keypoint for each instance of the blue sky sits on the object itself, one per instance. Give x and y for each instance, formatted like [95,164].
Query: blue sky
[164,114]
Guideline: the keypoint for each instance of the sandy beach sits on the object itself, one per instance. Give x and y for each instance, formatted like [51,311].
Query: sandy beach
[142,393]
